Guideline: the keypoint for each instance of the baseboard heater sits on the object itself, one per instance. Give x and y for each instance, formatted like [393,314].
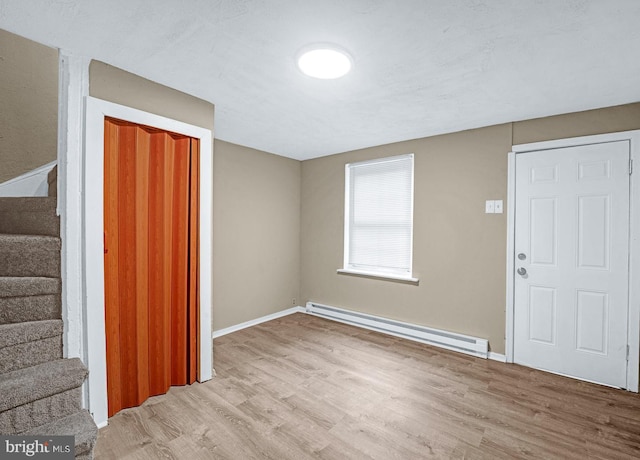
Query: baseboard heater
[443,339]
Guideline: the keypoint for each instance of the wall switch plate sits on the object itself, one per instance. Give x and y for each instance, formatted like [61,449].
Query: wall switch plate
[489,207]
[497,206]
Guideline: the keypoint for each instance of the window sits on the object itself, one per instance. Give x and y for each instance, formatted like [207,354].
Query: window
[378,234]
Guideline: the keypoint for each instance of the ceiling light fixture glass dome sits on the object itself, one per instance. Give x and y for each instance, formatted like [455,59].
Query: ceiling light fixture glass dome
[324,61]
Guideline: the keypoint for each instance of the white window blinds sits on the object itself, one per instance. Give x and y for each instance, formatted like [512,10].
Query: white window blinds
[379,216]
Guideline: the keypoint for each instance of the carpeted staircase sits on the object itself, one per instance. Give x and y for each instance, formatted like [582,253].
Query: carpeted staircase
[40,391]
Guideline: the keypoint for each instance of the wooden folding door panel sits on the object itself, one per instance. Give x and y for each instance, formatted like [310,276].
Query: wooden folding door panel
[180,259]
[160,234]
[193,311]
[151,261]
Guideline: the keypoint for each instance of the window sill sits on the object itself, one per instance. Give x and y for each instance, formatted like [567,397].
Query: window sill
[381,276]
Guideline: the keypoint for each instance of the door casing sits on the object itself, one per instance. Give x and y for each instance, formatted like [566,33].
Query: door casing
[93,204]
[633,137]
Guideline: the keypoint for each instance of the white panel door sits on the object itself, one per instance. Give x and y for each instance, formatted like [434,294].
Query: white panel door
[572,261]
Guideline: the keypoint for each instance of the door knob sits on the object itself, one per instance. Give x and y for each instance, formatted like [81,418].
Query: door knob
[522,271]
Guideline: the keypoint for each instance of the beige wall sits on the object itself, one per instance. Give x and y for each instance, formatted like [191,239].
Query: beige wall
[29,99]
[608,120]
[278,223]
[256,204]
[115,85]
[459,251]
[256,228]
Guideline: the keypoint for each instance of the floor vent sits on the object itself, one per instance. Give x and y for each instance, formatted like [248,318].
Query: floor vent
[449,340]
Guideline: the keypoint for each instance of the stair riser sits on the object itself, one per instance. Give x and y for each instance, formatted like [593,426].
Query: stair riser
[80,425]
[30,262]
[32,308]
[30,354]
[36,413]
[30,223]
[31,368]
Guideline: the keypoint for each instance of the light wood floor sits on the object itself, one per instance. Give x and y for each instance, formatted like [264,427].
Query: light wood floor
[303,387]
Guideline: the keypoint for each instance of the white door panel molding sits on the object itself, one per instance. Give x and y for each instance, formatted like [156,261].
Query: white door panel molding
[572,305]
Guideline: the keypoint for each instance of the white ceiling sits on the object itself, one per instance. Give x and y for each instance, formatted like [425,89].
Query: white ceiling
[422,67]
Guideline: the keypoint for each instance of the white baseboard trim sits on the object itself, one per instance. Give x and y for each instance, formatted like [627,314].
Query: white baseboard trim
[460,343]
[102,424]
[31,183]
[289,311]
[253,322]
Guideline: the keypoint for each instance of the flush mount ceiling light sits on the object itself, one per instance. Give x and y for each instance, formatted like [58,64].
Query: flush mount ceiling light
[324,61]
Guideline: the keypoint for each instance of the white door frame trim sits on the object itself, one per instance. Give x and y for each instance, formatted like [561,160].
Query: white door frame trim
[73,87]
[633,334]
[96,111]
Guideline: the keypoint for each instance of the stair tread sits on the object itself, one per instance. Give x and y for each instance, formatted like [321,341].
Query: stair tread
[25,286]
[18,239]
[40,381]
[17,333]
[80,425]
